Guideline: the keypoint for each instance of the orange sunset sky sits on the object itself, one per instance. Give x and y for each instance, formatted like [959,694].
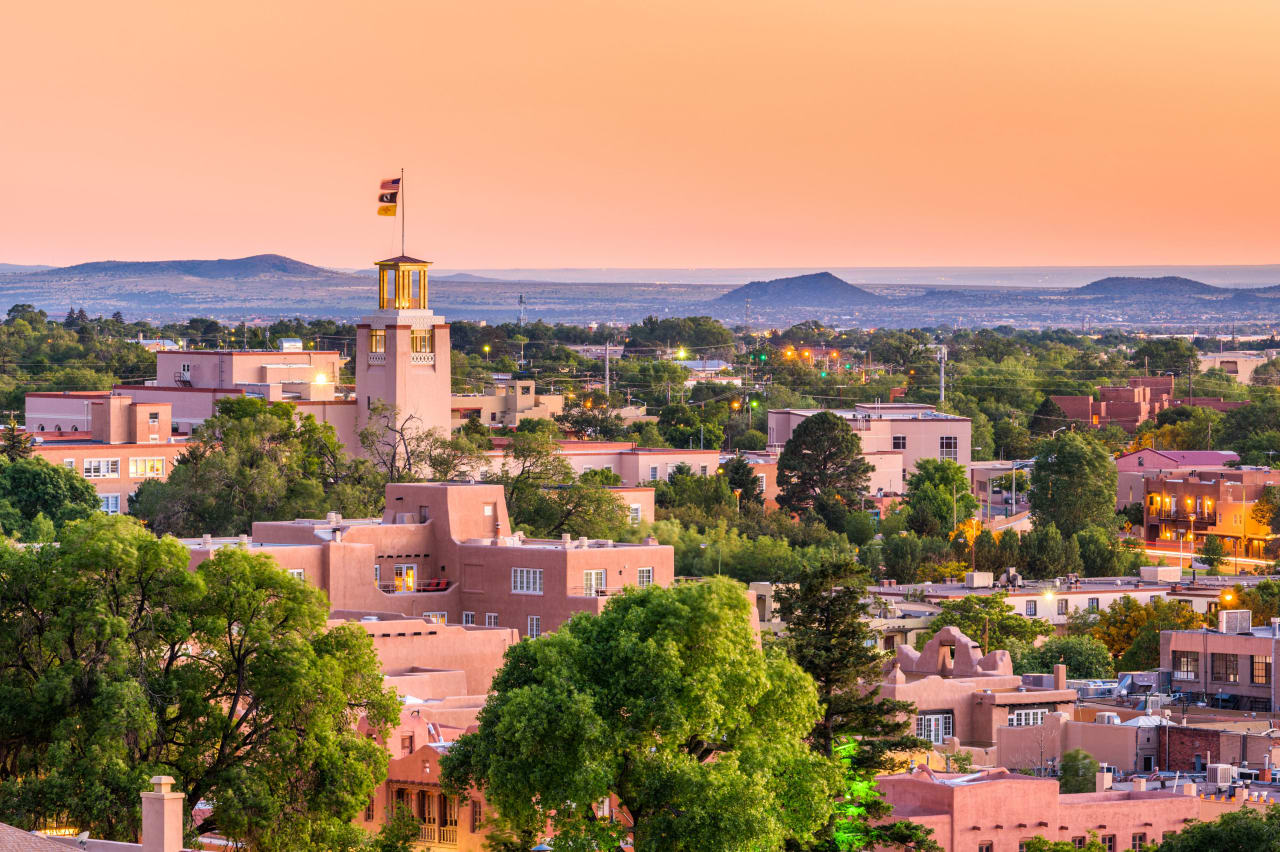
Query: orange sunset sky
[691,133]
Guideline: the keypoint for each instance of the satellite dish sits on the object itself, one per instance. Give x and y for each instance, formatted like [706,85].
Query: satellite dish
[82,839]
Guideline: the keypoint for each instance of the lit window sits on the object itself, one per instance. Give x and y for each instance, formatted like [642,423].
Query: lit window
[152,468]
[377,340]
[1224,668]
[1186,665]
[420,340]
[435,617]
[1261,670]
[526,581]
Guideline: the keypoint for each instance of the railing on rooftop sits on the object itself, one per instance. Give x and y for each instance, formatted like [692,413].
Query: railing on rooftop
[594,591]
[419,586]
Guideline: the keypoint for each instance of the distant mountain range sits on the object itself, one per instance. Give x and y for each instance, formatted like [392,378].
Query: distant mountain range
[816,290]
[1170,285]
[235,269]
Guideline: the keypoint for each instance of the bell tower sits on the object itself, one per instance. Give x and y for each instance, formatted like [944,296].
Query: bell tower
[402,350]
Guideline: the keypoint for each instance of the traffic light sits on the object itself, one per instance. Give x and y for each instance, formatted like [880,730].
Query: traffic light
[823,374]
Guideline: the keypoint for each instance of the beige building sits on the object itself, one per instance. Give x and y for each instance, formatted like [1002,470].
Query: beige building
[505,404]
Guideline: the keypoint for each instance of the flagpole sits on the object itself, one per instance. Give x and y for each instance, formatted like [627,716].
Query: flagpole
[402,212]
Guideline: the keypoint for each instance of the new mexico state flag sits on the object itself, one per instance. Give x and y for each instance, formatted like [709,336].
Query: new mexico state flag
[387,210]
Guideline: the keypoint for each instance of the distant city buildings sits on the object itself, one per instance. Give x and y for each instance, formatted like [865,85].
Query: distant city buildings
[1131,405]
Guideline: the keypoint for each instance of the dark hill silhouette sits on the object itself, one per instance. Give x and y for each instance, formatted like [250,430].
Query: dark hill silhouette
[257,266]
[815,290]
[1170,285]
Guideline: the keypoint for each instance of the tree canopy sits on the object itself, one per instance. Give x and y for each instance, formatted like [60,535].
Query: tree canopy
[1085,657]
[120,664]
[823,458]
[1131,630]
[665,701]
[35,494]
[1073,484]
[987,620]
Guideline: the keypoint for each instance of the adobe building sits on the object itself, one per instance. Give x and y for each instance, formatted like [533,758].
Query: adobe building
[962,697]
[1133,404]
[1191,505]
[1133,469]
[1232,666]
[123,444]
[445,552]
[894,437]
[504,405]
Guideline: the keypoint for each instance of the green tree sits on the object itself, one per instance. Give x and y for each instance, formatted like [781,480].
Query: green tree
[1263,600]
[823,457]
[1048,417]
[1077,772]
[32,488]
[987,620]
[1086,658]
[260,723]
[665,701]
[1212,553]
[16,443]
[938,497]
[257,461]
[901,555]
[823,602]
[1245,828]
[1040,844]
[1131,630]
[1165,355]
[1010,550]
[742,479]
[1073,484]
[860,814]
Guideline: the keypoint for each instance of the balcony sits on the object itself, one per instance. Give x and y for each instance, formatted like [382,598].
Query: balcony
[594,591]
[429,832]
[437,585]
[422,358]
[377,357]
[1208,518]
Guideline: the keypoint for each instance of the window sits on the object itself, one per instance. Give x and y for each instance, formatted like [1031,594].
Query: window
[1223,668]
[986,846]
[435,617]
[1167,835]
[1261,670]
[635,513]
[490,619]
[1093,605]
[153,417]
[146,468]
[1079,841]
[1026,718]
[1022,845]
[653,473]
[593,582]
[377,574]
[378,340]
[70,464]
[420,340]
[297,574]
[935,727]
[406,745]
[1138,841]
[1062,606]
[101,468]
[110,503]
[368,811]
[702,471]
[899,442]
[1186,665]
[644,577]
[468,618]
[535,627]
[1031,609]
[761,480]
[477,816]
[1109,842]
[186,368]
[526,581]
[488,508]
[406,577]
[949,447]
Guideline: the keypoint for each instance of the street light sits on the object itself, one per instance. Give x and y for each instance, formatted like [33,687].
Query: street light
[486,352]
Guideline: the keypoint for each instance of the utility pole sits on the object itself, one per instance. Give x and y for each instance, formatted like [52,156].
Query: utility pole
[606,367]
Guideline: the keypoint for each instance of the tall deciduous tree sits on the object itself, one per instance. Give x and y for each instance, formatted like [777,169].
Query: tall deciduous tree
[823,458]
[1131,630]
[121,664]
[32,488]
[665,701]
[1073,484]
[938,497]
[987,620]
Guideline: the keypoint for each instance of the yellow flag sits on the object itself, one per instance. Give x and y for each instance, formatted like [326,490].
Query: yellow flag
[387,210]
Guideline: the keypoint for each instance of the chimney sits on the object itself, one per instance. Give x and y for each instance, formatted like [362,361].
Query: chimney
[1101,782]
[1059,676]
[206,540]
[162,817]
[244,540]
[1275,627]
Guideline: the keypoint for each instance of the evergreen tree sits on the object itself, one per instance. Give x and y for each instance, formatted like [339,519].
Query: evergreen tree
[1048,417]
[16,443]
[823,458]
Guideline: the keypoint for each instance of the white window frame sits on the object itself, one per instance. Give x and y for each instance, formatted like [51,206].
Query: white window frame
[435,617]
[109,503]
[69,464]
[146,467]
[952,452]
[468,618]
[644,577]
[653,473]
[297,573]
[101,468]
[526,581]
[1027,718]
[406,577]
[490,619]
[635,513]
[534,627]
[937,728]
[761,479]
[1031,609]
[593,581]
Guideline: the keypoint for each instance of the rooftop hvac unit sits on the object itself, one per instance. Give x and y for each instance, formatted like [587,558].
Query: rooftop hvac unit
[1235,621]
[1107,718]
[977,580]
[1221,774]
